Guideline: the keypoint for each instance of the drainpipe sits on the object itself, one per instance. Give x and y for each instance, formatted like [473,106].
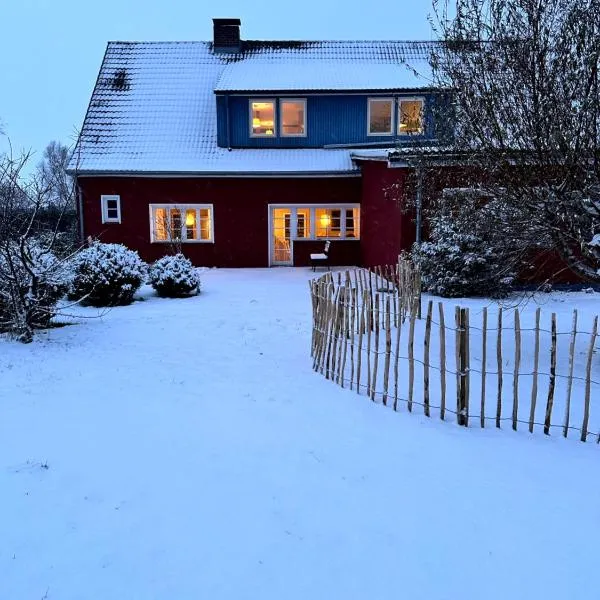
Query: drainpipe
[419,206]
[80,213]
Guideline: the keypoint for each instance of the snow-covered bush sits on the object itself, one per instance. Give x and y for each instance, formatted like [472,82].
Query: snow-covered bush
[106,275]
[458,263]
[174,277]
[32,281]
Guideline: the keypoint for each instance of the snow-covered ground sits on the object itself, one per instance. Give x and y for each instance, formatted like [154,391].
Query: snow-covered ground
[184,449]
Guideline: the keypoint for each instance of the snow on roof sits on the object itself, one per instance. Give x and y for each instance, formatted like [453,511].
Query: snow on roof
[153,109]
[305,75]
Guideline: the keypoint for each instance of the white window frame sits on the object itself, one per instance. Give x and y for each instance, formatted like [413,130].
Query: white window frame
[263,135]
[392,115]
[291,135]
[313,225]
[104,199]
[183,208]
[401,99]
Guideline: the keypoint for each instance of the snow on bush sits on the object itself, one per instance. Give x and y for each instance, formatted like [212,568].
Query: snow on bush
[458,263]
[107,275]
[174,277]
[32,281]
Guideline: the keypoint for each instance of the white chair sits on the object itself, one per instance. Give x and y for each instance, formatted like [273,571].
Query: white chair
[321,259]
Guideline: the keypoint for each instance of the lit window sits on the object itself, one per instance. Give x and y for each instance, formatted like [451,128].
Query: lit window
[380,116]
[262,118]
[328,222]
[186,223]
[410,116]
[303,223]
[352,222]
[111,209]
[293,118]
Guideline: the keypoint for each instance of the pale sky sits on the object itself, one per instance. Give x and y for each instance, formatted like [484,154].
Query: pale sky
[51,50]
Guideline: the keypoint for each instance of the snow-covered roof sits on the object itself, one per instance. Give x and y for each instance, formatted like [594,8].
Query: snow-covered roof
[305,75]
[153,109]
[399,153]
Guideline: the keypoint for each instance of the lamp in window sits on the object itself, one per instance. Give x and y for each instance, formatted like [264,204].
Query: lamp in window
[325,220]
[256,122]
[190,218]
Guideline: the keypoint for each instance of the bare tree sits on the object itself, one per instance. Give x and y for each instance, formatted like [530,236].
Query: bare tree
[524,116]
[32,276]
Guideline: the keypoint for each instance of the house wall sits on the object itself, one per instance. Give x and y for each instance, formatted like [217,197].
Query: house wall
[331,119]
[241,227]
[386,230]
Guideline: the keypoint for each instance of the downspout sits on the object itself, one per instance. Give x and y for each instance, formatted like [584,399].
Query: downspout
[80,213]
[419,207]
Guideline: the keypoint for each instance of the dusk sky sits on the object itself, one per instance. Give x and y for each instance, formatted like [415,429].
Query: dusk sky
[51,50]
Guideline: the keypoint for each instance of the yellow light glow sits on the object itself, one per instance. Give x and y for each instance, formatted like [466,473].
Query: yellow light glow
[190,219]
[325,220]
[256,122]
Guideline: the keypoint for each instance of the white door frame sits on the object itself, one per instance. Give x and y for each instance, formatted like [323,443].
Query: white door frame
[294,225]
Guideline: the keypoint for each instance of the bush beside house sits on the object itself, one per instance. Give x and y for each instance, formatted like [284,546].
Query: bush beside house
[107,275]
[174,277]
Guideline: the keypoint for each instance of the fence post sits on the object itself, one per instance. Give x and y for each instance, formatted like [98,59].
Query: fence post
[411,355]
[397,359]
[499,362]
[570,380]
[353,295]
[515,409]
[361,332]
[552,384]
[588,381]
[483,365]
[426,343]
[376,363]
[388,349]
[536,362]
[442,362]
[462,332]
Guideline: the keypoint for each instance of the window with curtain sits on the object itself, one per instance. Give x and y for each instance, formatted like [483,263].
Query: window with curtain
[293,117]
[380,116]
[410,116]
[262,118]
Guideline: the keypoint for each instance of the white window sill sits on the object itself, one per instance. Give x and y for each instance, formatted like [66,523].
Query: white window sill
[182,242]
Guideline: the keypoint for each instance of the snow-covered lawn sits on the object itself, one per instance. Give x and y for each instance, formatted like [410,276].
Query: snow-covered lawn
[184,449]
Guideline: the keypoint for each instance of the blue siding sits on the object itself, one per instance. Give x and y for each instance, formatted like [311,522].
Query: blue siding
[331,119]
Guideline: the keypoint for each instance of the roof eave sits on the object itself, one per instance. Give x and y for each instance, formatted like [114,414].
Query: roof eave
[308,92]
[231,174]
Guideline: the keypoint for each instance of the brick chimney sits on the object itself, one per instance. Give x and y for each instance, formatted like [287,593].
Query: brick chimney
[226,35]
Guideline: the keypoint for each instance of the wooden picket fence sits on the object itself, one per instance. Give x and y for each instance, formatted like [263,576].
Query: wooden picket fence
[369,336]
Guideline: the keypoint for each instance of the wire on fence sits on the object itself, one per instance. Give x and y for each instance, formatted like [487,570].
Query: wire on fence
[357,328]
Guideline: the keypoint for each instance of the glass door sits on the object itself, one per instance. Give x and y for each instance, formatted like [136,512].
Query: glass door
[281,229]
[288,224]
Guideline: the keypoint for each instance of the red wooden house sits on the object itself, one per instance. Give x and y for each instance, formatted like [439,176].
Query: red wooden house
[253,153]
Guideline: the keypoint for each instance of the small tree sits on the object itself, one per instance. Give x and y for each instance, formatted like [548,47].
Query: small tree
[32,277]
[466,258]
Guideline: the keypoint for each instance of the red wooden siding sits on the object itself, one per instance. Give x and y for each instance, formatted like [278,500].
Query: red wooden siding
[241,227]
[385,229]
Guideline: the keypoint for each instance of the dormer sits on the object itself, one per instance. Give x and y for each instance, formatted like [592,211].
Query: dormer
[313,102]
